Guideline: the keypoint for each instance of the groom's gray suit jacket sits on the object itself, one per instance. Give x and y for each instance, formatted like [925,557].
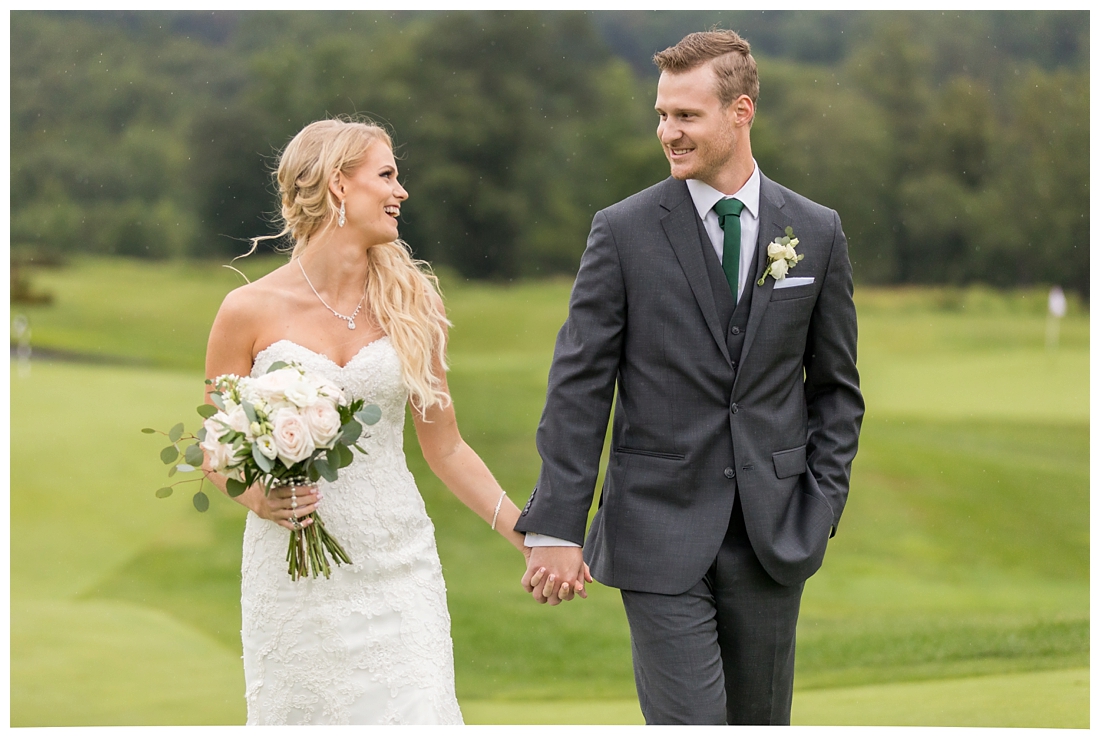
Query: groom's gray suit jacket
[694,426]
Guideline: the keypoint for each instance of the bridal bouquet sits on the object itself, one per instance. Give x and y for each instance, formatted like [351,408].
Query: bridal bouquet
[286,427]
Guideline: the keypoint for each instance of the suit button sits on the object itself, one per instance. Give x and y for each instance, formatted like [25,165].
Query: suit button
[735,330]
[728,472]
[734,408]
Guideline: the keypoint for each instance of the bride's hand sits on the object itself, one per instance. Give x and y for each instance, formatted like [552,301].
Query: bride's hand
[290,506]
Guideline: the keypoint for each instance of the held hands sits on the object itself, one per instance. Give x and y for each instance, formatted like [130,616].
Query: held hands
[556,574]
[290,506]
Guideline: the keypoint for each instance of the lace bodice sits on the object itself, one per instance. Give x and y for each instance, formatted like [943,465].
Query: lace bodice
[372,644]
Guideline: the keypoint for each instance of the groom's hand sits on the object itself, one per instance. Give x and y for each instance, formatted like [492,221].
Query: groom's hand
[555,574]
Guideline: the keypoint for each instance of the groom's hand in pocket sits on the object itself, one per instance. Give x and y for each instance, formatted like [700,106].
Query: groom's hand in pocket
[555,574]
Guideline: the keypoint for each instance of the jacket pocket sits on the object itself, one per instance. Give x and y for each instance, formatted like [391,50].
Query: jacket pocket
[649,453]
[789,462]
[794,292]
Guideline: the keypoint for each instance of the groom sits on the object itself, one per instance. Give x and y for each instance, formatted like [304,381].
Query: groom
[737,414]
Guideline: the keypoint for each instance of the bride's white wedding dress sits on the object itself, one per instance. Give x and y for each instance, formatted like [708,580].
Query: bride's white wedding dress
[373,643]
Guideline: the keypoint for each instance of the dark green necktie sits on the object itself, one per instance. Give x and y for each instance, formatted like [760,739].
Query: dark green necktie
[729,217]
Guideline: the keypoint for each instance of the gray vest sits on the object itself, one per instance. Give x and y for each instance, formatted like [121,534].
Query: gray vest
[734,318]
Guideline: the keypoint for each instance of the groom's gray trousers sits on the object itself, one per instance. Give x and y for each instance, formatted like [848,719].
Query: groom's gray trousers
[732,658]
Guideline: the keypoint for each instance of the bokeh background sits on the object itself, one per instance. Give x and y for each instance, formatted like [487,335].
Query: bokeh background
[954,145]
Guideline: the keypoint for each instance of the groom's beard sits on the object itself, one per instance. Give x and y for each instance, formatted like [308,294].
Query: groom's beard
[708,158]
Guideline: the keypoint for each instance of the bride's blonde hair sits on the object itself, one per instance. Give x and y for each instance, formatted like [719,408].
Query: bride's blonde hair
[402,292]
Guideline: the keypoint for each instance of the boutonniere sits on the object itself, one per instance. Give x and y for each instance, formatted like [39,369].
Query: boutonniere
[781,257]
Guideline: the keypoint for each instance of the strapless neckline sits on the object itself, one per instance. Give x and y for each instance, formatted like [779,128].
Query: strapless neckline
[322,355]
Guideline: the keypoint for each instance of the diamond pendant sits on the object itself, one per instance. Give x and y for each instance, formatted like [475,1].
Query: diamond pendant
[351,324]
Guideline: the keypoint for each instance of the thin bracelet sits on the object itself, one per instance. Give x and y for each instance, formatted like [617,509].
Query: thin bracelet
[497,512]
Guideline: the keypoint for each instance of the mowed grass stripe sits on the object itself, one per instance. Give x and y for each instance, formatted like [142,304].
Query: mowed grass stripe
[77,663]
[1056,699]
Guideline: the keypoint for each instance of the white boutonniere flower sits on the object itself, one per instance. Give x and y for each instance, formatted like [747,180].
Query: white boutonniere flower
[781,257]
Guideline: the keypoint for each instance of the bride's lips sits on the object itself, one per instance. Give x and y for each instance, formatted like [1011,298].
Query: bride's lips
[392,211]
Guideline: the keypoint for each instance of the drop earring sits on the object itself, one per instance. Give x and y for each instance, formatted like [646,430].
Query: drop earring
[342,219]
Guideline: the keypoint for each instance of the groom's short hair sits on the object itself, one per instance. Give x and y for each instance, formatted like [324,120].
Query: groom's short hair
[732,63]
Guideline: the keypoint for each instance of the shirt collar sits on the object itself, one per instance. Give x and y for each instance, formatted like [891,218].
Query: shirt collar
[704,196]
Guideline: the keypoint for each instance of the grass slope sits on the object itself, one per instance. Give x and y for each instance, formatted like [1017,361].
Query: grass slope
[963,551]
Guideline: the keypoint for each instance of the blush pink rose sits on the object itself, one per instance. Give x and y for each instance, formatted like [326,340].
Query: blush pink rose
[293,441]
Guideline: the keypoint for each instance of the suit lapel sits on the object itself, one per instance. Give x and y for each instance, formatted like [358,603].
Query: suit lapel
[771,204]
[682,229]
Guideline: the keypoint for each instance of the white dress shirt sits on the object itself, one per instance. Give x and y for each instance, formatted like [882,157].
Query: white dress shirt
[704,198]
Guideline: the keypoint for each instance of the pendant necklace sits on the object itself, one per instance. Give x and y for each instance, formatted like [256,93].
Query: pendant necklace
[337,314]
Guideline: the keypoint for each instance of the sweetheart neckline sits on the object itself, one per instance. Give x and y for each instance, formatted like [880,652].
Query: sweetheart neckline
[322,355]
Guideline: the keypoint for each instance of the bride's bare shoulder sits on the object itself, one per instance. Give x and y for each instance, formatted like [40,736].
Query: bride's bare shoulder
[261,297]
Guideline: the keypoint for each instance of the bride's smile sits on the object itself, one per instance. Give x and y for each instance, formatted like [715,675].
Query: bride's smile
[373,196]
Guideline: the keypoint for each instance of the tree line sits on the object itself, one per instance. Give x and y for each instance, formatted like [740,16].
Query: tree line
[953,145]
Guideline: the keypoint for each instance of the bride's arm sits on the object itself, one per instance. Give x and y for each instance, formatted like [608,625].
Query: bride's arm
[460,468]
[463,471]
[229,351]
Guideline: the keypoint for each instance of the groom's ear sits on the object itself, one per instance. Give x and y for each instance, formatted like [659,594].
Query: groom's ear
[741,111]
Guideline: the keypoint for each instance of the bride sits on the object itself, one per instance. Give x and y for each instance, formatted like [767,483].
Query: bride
[372,644]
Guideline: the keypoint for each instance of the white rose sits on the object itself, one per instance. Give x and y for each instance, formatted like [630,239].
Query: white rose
[325,389]
[301,393]
[238,420]
[794,243]
[775,249]
[222,457]
[778,269]
[323,422]
[266,445]
[215,426]
[272,386]
[789,253]
[292,439]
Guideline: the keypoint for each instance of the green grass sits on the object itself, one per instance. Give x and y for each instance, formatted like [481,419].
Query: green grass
[960,567]
[1041,699]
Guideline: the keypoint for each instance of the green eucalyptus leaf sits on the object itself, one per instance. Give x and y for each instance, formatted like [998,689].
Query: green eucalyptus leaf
[249,411]
[356,446]
[169,454]
[164,492]
[263,462]
[350,432]
[216,399]
[193,455]
[201,434]
[176,432]
[206,410]
[370,415]
[321,466]
[201,501]
[172,471]
[346,456]
[185,468]
[234,487]
[147,430]
[332,457]
[277,365]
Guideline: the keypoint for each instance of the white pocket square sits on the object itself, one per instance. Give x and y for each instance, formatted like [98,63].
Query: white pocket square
[793,282]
